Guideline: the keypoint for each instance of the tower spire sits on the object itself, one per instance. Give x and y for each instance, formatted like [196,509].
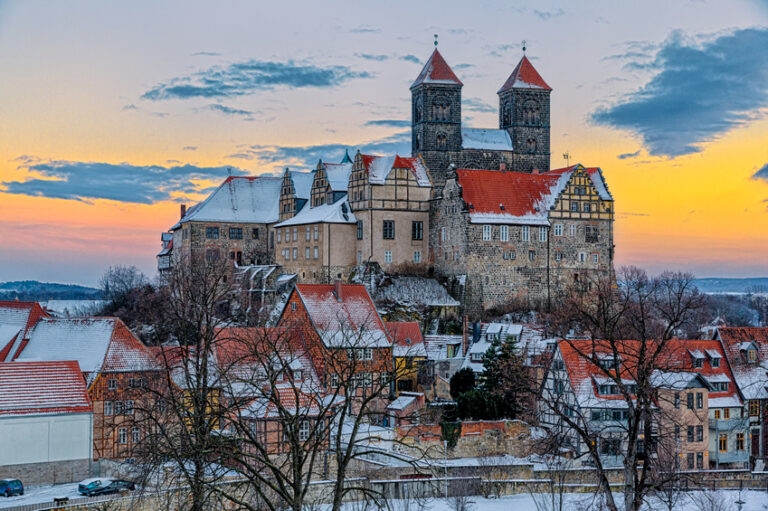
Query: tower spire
[435,41]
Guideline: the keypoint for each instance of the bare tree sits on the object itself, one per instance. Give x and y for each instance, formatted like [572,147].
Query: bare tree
[627,325]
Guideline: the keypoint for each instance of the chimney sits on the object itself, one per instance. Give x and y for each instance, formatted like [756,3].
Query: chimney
[337,289]
[535,171]
[183,210]
[503,167]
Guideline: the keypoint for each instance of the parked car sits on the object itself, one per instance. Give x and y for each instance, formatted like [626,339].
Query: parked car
[103,486]
[10,487]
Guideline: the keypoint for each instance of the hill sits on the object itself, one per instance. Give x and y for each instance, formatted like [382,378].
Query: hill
[739,286]
[32,290]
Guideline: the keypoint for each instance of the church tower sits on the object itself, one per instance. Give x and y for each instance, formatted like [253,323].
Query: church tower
[524,113]
[436,114]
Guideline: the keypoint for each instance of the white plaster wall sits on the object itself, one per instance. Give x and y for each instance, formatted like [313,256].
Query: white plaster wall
[42,438]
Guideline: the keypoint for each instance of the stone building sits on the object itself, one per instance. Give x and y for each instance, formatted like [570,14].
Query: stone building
[521,236]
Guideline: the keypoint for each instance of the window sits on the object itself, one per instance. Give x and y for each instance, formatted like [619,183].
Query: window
[129,407]
[334,381]
[255,233]
[304,431]
[608,389]
[316,232]
[295,253]
[417,230]
[417,256]
[689,458]
[591,234]
[739,441]
[574,205]
[531,255]
[699,400]
[752,355]
[677,400]
[717,414]
[293,306]
[295,234]
[388,229]
[212,233]
[698,363]
[359,256]
[586,207]
[572,230]
[542,233]
[699,433]
[359,229]
[308,235]
[558,229]
[754,408]
[487,232]
[504,233]
[595,258]
[715,362]
[720,386]
[443,234]
[122,435]
[235,233]
[279,235]
[315,253]
[387,256]
[689,400]
[699,460]
[558,256]
[722,442]
[112,384]
[136,435]
[525,233]
[306,252]
[690,433]
[118,407]
[108,410]
[582,257]
[726,413]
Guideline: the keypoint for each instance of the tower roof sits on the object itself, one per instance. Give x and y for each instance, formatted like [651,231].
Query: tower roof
[437,71]
[525,76]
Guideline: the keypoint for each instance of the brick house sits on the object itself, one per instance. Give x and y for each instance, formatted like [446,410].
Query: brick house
[116,365]
[513,235]
[746,350]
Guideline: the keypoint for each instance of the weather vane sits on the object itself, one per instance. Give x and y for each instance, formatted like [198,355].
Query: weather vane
[435,40]
[523,45]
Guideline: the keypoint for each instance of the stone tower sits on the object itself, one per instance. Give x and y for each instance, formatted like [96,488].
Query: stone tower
[436,115]
[524,113]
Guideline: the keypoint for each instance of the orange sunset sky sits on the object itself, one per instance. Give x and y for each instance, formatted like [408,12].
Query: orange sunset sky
[115,113]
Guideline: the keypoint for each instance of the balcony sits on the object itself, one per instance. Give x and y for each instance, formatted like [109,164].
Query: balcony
[729,425]
[728,457]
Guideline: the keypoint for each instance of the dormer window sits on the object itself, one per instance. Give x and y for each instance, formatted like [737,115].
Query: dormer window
[752,355]
[297,375]
[607,389]
[607,363]
[476,357]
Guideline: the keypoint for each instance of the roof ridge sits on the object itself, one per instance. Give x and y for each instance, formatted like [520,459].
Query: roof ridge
[436,70]
[524,76]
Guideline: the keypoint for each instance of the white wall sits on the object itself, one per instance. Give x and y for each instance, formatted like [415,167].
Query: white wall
[42,438]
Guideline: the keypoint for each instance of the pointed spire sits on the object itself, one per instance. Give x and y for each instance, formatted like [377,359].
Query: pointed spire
[436,70]
[525,76]
[346,158]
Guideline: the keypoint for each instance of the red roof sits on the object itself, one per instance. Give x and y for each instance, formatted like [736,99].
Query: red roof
[436,70]
[510,193]
[525,76]
[405,333]
[42,388]
[379,167]
[750,375]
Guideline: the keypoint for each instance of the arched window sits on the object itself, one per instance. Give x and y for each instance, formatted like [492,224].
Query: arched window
[531,112]
[531,145]
[442,140]
[417,141]
[417,111]
[506,114]
[441,109]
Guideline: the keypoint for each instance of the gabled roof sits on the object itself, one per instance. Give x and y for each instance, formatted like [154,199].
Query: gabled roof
[338,175]
[16,321]
[752,377]
[350,321]
[407,339]
[525,76]
[240,200]
[521,198]
[337,213]
[294,399]
[97,344]
[42,388]
[487,139]
[379,167]
[302,183]
[436,71]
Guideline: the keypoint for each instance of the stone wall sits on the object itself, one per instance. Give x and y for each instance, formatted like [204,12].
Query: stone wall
[54,472]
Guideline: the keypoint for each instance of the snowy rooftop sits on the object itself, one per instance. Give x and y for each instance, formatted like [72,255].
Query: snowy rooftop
[379,168]
[487,139]
[337,213]
[240,199]
[42,388]
[338,175]
[302,183]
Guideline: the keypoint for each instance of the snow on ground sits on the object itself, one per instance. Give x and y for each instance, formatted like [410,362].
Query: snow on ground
[415,291]
[41,494]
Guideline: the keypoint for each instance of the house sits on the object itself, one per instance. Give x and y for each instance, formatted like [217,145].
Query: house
[412,369]
[46,422]
[746,350]
[116,366]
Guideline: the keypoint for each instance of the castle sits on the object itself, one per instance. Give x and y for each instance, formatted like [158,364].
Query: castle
[478,207]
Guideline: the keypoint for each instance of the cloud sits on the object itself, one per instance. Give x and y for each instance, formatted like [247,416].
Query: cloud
[229,110]
[189,148]
[369,56]
[206,54]
[547,15]
[394,123]
[463,66]
[477,105]
[248,77]
[411,58]
[123,182]
[762,173]
[130,107]
[365,29]
[699,92]
[624,156]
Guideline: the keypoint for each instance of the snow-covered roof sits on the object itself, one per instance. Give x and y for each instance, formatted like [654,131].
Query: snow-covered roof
[751,377]
[487,139]
[436,71]
[713,354]
[477,349]
[724,402]
[717,378]
[673,380]
[240,200]
[525,76]
[338,175]
[379,167]
[302,183]
[401,402]
[347,321]
[16,321]
[437,346]
[42,388]
[696,353]
[337,213]
[407,339]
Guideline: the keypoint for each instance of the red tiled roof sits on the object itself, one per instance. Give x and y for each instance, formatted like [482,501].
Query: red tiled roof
[378,167]
[511,193]
[752,377]
[436,70]
[525,76]
[404,331]
[42,388]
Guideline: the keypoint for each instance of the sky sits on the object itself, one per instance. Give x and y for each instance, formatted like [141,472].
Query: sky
[113,114]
